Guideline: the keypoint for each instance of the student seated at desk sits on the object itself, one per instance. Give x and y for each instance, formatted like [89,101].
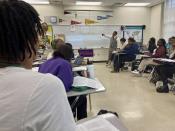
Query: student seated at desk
[127,54]
[160,52]
[122,44]
[55,44]
[59,65]
[166,71]
[152,45]
[29,101]
[169,46]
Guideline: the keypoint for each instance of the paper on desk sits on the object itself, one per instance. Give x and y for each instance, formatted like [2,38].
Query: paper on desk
[165,60]
[83,81]
[96,124]
[80,68]
[35,69]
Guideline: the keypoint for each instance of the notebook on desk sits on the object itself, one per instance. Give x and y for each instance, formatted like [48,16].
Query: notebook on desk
[80,82]
[163,60]
[96,124]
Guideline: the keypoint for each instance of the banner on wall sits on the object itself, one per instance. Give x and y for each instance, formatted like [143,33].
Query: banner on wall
[102,17]
[73,22]
[109,16]
[89,21]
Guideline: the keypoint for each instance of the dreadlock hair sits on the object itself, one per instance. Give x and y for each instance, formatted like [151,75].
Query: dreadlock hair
[19,29]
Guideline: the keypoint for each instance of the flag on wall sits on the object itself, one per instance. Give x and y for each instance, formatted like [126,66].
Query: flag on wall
[102,17]
[109,16]
[75,22]
[89,21]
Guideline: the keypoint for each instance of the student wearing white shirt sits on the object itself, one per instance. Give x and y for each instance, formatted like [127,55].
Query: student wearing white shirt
[122,44]
[29,101]
[112,46]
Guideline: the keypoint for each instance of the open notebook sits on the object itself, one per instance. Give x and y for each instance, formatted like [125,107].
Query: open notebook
[97,124]
[86,82]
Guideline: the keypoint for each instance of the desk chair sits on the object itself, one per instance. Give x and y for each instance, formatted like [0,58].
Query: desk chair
[132,63]
[152,72]
[172,83]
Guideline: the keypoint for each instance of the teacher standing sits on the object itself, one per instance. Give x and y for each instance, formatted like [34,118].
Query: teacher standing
[112,46]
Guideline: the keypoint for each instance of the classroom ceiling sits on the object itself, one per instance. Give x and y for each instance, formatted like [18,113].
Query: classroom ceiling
[109,2]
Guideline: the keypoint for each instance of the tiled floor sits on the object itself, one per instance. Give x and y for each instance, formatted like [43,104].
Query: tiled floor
[135,100]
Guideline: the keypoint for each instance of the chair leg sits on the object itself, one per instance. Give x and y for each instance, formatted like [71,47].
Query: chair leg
[173,89]
[151,74]
[90,103]
[75,102]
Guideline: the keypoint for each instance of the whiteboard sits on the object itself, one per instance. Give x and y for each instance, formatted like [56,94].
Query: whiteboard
[87,36]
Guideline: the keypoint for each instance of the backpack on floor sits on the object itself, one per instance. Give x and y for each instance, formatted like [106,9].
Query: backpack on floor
[101,112]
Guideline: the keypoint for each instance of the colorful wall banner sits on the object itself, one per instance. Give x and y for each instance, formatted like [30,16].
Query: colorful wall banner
[102,17]
[89,21]
[109,16]
[75,22]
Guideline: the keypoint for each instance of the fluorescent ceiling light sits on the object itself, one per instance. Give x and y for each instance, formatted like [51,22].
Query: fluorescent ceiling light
[136,4]
[37,2]
[88,3]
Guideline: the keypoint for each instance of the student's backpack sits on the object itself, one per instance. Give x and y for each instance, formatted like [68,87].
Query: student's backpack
[101,112]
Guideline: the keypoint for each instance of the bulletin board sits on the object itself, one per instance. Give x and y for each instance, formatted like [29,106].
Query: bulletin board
[136,32]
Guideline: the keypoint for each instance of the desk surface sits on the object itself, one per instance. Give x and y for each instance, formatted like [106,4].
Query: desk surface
[86,92]
[164,60]
[140,56]
[37,63]
[79,68]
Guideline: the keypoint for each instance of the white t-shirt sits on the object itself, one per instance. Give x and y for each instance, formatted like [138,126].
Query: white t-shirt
[30,101]
[121,47]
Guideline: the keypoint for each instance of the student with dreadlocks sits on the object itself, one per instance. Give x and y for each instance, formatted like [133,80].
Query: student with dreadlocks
[29,101]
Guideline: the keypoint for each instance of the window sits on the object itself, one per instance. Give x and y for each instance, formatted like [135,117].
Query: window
[169,18]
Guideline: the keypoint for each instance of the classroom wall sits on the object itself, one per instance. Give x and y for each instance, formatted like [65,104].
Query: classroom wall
[149,16]
[49,10]
[92,8]
[134,16]
[156,21]
[122,15]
